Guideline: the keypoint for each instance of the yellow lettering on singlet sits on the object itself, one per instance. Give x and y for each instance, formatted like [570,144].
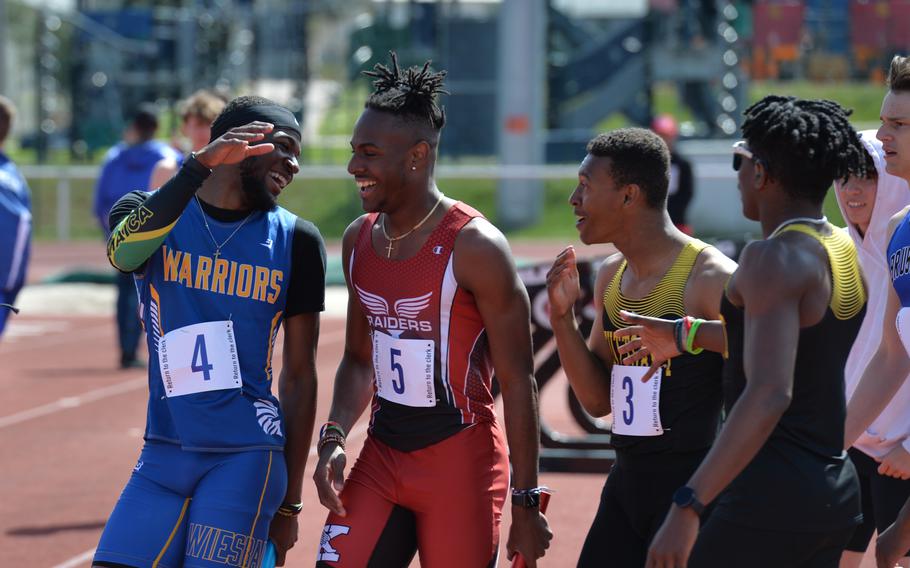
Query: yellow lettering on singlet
[186,270]
[171,260]
[244,280]
[277,278]
[203,271]
[232,279]
[261,283]
[220,276]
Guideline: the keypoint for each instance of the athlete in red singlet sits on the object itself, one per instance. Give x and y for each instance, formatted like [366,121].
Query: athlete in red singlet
[434,305]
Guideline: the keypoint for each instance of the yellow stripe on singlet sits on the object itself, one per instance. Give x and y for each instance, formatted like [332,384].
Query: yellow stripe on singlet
[273,333]
[249,540]
[848,294]
[667,296]
[170,538]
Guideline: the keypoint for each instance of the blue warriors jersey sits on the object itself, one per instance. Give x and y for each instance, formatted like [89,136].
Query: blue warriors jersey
[899,261]
[211,322]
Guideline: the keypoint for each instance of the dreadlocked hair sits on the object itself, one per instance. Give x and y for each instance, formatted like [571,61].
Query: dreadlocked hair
[804,144]
[410,94]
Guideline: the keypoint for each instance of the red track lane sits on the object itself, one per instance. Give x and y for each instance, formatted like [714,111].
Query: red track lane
[71,424]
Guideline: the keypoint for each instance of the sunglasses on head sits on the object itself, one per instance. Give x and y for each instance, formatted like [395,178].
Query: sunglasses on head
[740,151]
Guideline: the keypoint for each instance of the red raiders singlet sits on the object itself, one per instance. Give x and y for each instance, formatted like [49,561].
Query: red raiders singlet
[432,367]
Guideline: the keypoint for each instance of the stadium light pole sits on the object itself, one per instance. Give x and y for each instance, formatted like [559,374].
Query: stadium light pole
[521,92]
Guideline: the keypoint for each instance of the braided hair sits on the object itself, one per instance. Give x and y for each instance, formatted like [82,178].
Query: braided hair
[804,144]
[410,94]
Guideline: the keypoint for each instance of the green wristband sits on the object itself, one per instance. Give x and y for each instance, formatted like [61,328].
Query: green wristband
[690,338]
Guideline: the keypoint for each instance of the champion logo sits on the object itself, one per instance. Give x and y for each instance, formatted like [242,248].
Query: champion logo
[437,249]
[326,552]
[267,413]
[267,244]
[138,465]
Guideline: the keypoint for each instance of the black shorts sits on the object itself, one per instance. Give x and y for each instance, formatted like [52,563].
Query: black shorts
[634,501]
[722,544]
[882,498]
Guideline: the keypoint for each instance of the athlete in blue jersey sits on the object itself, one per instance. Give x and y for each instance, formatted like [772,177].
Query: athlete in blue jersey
[887,369]
[15,220]
[127,166]
[220,268]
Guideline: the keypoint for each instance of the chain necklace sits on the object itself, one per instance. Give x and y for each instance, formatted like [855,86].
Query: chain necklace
[205,220]
[776,231]
[392,240]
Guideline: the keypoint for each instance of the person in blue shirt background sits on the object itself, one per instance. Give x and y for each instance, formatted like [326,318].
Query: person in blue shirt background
[128,167]
[15,219]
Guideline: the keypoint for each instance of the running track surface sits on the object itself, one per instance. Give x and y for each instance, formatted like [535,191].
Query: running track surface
[71,428]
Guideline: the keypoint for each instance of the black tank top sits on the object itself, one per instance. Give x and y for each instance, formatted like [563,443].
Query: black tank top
[690,393]
[801,478]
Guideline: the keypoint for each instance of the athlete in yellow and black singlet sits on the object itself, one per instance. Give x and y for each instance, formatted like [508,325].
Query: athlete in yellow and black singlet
[662,427]
[784,492]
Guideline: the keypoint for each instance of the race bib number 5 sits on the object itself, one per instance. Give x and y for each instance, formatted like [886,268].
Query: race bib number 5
[404,369]
[636,405]
[199,358]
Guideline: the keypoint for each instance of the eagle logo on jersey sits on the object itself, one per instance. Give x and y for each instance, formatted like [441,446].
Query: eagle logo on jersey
[267,413]
[326,552]
[406,310]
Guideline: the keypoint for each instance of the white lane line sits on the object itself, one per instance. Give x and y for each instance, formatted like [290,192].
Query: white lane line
[72,402]
[356,432]
[105,392]
[77,560]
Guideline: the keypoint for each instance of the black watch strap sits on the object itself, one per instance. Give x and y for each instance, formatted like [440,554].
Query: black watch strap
[685,497]
[527,498]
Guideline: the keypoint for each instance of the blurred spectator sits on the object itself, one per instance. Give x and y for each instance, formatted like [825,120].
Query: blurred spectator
[127,167]
[197,114]
[15,219]
[681,188]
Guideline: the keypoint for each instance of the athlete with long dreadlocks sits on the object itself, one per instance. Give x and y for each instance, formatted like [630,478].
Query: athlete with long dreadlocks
[434,306]
[783,489]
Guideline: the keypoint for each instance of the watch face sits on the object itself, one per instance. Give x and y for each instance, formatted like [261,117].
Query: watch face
[684,496]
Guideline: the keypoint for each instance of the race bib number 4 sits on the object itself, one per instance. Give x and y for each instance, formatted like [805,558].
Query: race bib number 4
[404,369]
[199,358]
[636,405]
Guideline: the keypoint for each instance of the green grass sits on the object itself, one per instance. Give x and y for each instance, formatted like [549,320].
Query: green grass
[332,204]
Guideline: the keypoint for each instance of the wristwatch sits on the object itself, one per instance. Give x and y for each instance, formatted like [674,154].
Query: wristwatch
[685,497]
[527,498]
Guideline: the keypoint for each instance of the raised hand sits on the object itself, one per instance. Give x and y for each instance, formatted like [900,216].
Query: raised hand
[563,288]
[649,336]
[236,145]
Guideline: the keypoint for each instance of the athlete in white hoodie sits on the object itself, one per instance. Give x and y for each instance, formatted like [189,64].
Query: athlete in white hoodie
[867,205]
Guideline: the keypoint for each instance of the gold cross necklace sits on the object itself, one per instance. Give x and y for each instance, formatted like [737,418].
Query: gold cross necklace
[205,220]
[393,240]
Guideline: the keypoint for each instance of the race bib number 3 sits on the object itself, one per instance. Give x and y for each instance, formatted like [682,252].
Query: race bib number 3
[199,358]
[404,369]
[636,405]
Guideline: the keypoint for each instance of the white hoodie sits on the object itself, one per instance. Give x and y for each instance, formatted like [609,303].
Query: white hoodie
[893,424]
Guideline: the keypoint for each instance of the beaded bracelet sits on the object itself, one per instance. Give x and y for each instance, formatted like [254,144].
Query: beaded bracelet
[330,425]
[329,437]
